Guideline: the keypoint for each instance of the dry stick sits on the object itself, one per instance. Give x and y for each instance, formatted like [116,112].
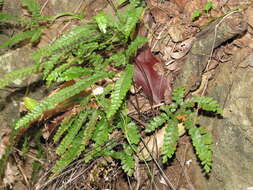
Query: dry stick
[159,167]
[137,101]
[211,54]
[28,155]
[44,5]
[129,183]
[22,172]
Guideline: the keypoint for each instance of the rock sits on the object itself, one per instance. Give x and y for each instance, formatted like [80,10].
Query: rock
[249,15]
[17,59]
[233,134]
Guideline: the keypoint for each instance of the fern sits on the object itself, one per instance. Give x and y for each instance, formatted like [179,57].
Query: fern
[118,58]
[17,74]
[75,144]
[72,132]
[205,103]
[87,33]
[126,158]
[156,122]
[5,18]
[73,153]
[90,128]
[33,6]
[185,112]
[121,88]
[170,141]
[73,73]
[131,133]
[65,125]
[128,20]
[97,61]
[135,45]
[101,133]
[17,38]
[203,144]
[51,101]
[178,95]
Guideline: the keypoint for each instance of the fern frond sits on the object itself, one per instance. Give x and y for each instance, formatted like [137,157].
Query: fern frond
[5,18]
[51,101]
[203,144]
[30,103]
[119,58]
[33,6]
[121,88]
[17,74]
[135,45]
[72,132]
[48,65]
[97,61]
[132,134]
[171,137]
[156,122]
[17,38]
[101,133]
[130,18]
[79,34]
[74,72]
[36,36]
[128,164]
[65,125]
[55,74]
[178,95]
[126,158]
[206,103]
[70,155]
[103,21]
[90,127]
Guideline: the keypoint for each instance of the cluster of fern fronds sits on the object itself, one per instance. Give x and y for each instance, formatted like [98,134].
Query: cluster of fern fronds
[82,59]
[182,115]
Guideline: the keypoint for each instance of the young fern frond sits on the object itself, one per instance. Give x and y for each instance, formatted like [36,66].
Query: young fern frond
[51,101]
[72,132]
[17,74]
[121,88]
[171,137]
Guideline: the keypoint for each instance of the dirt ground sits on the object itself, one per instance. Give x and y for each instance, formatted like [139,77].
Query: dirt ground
[175,35]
